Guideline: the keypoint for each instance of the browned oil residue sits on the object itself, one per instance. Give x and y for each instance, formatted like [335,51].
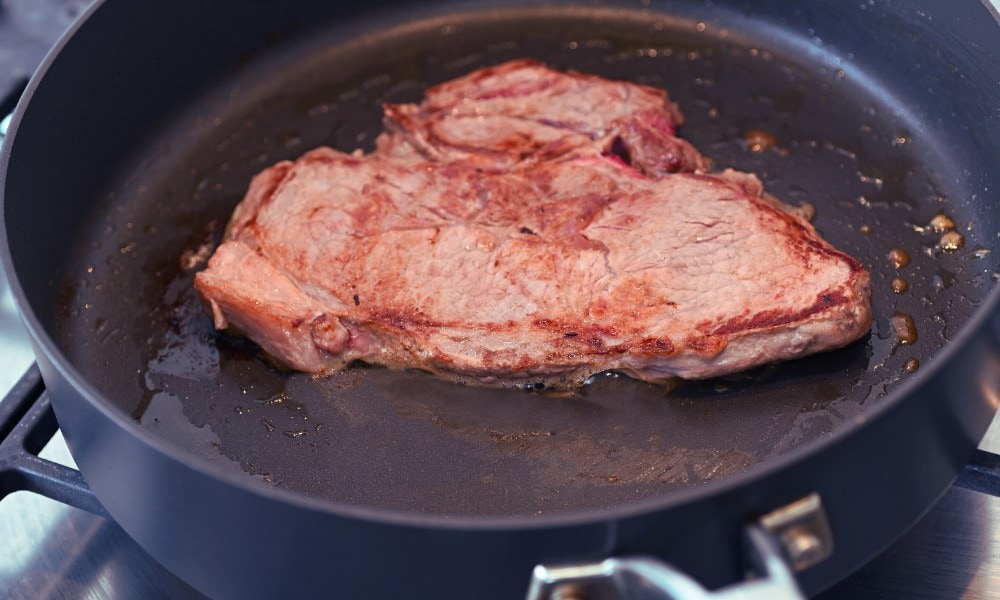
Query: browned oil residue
[899,257]
[758,140]
[903,327]
[952,240]
[900,285]
[941,223]
[911,365]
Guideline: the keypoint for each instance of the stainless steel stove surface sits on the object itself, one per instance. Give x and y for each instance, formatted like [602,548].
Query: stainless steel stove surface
[51,550]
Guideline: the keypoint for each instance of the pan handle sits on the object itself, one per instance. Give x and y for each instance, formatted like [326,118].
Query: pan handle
[793,537]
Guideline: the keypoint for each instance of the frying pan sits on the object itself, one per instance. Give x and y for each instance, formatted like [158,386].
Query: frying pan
[140,132]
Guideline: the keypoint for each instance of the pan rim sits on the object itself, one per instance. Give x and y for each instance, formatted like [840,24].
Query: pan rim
[45,345]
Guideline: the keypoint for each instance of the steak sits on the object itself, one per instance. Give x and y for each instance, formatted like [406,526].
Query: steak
[543,248]
[524,112]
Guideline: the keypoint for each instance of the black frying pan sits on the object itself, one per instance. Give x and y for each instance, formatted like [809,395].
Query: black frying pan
[140,135]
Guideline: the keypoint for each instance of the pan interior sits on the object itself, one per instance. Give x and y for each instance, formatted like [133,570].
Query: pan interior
[404,440]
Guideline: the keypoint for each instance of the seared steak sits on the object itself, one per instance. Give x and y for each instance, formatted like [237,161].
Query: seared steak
[522,111]
[506,262]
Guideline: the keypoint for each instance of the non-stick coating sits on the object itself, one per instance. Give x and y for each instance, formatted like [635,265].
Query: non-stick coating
[145,126]
[404,440]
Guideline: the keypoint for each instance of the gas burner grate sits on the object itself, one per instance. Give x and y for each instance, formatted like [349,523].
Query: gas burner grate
[8,99]
[27,423]
[981,473]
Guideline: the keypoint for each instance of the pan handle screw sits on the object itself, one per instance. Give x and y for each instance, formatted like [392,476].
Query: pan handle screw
[803,531]
[802,546]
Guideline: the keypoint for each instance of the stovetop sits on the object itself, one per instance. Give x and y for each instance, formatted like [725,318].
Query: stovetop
[52,551]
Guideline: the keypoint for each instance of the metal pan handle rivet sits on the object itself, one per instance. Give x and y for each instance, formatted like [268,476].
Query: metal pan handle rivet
[803,530]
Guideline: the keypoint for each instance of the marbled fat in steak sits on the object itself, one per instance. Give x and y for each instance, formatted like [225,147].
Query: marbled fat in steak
[544,246]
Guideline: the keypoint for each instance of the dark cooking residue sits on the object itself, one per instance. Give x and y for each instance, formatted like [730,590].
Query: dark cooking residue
[758,140]
[899,258]
[942,223]
[904,328]
[951,241]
